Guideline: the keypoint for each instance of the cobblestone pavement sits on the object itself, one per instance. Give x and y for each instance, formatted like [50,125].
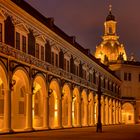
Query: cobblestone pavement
[114,132]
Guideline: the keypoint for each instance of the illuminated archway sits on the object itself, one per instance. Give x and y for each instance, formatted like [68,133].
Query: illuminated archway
[128,113]
[19,104]
[39,102]
[84,103]
[3,98]
[66,106]
[114,112]
[54,104]
[90,109]
[110,111]
[76,107]
[106,111]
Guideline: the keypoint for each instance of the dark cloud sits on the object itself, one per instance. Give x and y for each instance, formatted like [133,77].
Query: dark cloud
[85,18]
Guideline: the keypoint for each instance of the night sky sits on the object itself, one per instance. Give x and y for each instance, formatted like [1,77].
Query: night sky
[85,20]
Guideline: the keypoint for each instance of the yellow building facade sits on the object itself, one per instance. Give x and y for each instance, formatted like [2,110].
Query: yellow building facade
[47,80]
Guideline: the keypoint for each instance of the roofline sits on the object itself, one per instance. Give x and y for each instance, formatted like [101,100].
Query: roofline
[49,22]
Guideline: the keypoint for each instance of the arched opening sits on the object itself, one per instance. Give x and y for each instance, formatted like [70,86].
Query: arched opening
[39,102]
[106,111]
[128,113]
[3,93]
[76,107]
[90,109]
[117,112]
[66,106]
[110,111]
[19,104]
[84,103]
[114,112]
[96,109]
[54,104]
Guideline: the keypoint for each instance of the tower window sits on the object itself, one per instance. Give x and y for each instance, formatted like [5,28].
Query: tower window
[127,76]
[110,30]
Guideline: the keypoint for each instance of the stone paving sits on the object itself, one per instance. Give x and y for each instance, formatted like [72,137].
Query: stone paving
[114,132]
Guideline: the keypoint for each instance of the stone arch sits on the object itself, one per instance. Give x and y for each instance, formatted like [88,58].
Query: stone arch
[54,104]
[84,103]
[39,102]
[18,98]
[91,109]
[127,113]
[76,107]
[3,97]
[66,105]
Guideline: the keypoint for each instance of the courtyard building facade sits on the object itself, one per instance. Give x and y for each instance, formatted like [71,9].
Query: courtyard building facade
[48,80]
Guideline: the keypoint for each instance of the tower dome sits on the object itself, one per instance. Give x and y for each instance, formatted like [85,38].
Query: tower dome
[110,48]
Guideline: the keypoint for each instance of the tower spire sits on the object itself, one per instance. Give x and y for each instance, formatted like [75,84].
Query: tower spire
[110,8]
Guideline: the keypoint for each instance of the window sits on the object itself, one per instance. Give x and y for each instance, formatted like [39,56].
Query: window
[127,76]
[66,65]
[1,99]
[110,30]
[21,101]
[94,77]
[76,70]
[17,40]
[36,103]
[54,59]
[139,77]
[84,74]
[37,50]
[90,77]
[24,44]
[42,53]
[0,32]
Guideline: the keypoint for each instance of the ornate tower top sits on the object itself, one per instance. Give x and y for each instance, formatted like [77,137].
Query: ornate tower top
[110,49]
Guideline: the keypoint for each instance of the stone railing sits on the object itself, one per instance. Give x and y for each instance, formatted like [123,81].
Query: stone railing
[23,57]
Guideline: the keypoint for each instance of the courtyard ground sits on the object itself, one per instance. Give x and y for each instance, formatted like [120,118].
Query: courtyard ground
[114,132]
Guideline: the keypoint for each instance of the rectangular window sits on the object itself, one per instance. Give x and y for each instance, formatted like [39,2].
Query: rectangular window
[125,76]
[17,40]
[52,58]
[24,44]
[65,64]
[37,50]
[68,66]
[90,77]
[139,77]
[94,77]
[21,107]
[0,32]
[129,76]
[56,59]
[42,53]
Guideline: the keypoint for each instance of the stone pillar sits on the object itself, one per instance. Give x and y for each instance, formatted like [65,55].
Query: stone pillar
[29,111]
[70,114]
[59,113]
[7,111]
[92,114]
[46,113]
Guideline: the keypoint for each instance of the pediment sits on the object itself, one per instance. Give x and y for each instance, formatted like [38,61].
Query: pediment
[41,38]
[2,16]
[22,27]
